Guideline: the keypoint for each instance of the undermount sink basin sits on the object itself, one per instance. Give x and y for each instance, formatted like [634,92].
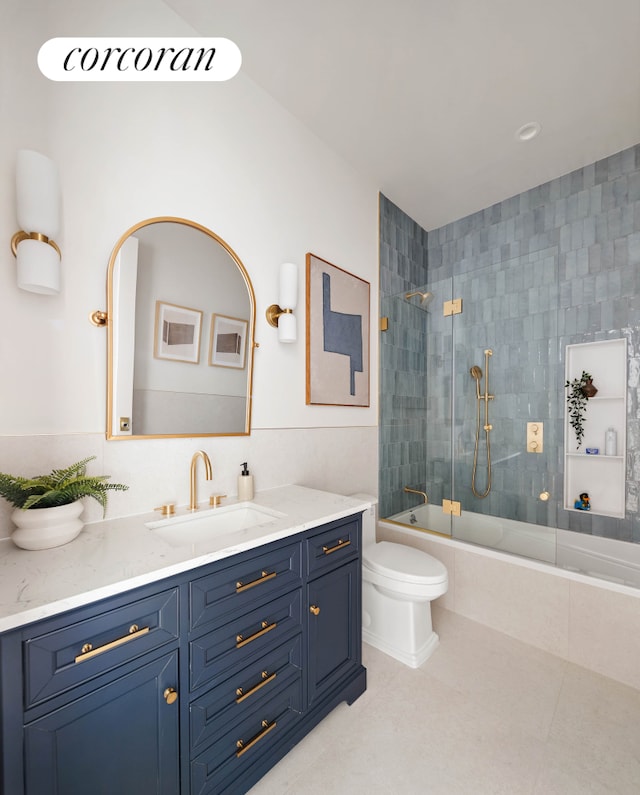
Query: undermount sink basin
[200,526]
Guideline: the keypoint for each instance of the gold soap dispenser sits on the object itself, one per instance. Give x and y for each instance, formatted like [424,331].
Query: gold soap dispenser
[245,484]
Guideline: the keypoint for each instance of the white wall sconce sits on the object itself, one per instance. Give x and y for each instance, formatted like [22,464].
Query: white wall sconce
[38,210]
[281,316]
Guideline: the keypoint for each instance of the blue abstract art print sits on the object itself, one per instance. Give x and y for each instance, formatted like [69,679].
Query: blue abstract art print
[337,335]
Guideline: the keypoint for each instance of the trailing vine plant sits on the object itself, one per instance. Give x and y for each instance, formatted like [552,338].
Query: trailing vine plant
[577,399]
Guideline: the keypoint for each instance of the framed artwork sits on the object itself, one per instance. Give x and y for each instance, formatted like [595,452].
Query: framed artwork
[337,335]
[228,342]
[177,333]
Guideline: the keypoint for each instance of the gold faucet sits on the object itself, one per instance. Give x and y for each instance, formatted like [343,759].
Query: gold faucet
[407,490]
[193,502]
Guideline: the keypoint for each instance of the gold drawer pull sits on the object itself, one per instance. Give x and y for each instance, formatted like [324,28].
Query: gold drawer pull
[170,695]
[266,728]
[266,678]
[266,627]
[88,651]
[315,610]
[339,545]
[240,586]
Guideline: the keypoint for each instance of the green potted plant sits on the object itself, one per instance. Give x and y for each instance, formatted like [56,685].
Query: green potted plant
[580,390]
[48,507]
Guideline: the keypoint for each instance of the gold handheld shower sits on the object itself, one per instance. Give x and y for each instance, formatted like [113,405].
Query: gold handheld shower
[476,374]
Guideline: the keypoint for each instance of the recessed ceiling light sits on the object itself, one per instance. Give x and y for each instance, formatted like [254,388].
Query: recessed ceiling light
[528,131]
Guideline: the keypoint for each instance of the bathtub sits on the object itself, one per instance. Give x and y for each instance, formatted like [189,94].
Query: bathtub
[615,561]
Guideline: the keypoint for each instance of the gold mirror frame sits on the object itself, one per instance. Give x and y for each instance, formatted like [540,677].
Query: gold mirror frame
[250,342]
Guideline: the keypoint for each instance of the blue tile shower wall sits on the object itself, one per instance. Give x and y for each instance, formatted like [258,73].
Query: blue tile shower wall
[556,265]
[403,385]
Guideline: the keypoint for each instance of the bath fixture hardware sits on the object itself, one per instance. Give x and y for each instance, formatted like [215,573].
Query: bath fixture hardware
[544,496]
[476,374]
[425,297]
[535,437]
[170,695]
[384,324]
[242,746]
[266,678]
[340,545]
[38,207]
[451,507]
[216,499]
[99,318]
[193,501]
[407,490]
[244,586]
[266,627]
[125,423]
[166,509]
[87,651]
[453,307]
[283,318]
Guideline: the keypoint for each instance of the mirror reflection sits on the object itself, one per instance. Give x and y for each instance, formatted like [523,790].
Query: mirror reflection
[181,314]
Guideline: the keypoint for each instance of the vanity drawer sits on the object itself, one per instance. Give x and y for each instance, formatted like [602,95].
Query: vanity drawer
[227,703]
[230,647]
[234,589]
[67,656]
[217,769]
[333,546]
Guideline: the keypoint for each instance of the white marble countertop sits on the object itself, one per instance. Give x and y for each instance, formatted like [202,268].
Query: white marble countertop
[116,555]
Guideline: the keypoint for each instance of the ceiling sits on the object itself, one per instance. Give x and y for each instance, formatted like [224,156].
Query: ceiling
[424,97]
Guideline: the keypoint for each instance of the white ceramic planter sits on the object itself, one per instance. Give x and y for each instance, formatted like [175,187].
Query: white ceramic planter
[43,528]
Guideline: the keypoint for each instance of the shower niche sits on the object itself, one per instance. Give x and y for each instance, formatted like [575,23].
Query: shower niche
[597,474]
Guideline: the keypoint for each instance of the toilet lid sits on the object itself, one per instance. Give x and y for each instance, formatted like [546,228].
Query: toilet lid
[399,562]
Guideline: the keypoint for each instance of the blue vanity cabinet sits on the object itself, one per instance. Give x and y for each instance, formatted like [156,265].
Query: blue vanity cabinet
[121,738]
[334,612]
[89,699]
[245,663]
[196,684]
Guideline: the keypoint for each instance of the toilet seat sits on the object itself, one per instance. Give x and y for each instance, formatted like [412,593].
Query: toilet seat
[404,564]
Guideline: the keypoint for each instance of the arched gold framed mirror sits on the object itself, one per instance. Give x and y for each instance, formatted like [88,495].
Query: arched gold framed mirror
[181,325]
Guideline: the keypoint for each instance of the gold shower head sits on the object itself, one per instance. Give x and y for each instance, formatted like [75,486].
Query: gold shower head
[424,297]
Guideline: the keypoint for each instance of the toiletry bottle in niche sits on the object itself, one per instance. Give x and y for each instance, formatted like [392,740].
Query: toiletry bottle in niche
[245,484]
[611,442]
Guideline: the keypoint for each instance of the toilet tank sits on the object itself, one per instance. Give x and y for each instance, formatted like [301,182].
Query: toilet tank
[369,518]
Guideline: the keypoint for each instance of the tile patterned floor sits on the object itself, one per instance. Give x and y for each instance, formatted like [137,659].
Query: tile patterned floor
[485,715]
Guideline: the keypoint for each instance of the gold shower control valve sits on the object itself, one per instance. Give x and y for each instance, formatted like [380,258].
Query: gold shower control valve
[535,436]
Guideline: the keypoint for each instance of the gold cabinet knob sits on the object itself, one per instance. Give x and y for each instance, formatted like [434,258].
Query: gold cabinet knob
[170,695]
[315,610]
[544,496]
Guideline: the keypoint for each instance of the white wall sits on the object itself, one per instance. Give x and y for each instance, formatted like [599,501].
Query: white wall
[225,155]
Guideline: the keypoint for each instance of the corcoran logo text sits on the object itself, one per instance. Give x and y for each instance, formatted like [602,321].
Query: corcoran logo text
[139,59]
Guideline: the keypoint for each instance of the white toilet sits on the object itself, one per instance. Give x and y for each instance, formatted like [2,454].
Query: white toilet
[398,585]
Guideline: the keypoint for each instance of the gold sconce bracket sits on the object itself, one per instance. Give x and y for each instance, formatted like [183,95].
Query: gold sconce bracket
[20,236]
[273,314]
[99,318]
